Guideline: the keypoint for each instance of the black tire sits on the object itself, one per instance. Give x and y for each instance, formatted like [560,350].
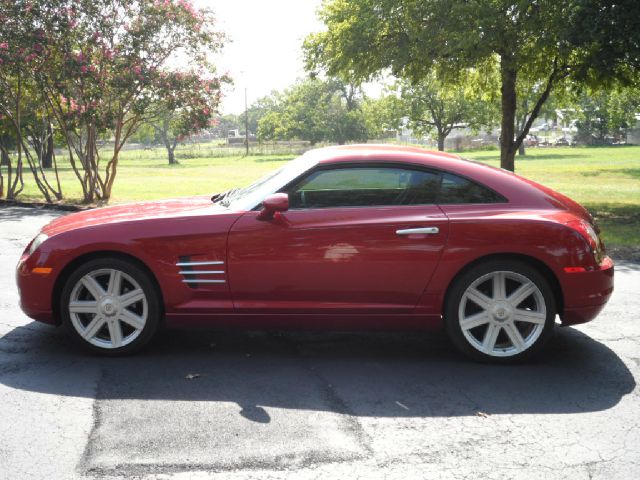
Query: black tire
[469,343]
[152,298]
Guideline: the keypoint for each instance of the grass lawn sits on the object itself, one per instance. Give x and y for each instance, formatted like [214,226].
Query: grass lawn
[604,179]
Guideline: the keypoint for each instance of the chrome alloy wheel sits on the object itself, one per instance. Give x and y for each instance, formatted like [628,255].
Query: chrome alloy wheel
[108,308]
[502,313]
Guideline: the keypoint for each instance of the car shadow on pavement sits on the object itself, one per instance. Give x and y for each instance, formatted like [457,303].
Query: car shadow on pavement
[359,374]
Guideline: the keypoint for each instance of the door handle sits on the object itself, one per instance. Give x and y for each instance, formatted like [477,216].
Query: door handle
[418,231]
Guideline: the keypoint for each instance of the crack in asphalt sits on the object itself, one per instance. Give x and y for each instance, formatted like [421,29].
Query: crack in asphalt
[96,421]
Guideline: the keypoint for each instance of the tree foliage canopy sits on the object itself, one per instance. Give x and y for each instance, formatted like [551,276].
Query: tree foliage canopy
[434,106]
[543,41]
[106,66]
[317,111]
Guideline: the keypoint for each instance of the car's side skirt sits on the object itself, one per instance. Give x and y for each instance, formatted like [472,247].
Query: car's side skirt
[308,321]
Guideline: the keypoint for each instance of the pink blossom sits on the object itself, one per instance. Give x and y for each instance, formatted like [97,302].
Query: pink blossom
[84,69]
[4,46]
[137,70]
[188,6]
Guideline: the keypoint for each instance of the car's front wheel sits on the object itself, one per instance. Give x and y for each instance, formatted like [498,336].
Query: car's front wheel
[500,311]
[110,306]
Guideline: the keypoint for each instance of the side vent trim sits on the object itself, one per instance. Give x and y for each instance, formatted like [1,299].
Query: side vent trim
[191,271]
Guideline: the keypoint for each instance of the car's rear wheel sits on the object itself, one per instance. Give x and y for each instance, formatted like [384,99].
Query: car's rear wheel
[500,311]
[110,306]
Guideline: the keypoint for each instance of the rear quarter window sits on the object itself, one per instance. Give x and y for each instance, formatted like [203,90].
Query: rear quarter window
[459,190]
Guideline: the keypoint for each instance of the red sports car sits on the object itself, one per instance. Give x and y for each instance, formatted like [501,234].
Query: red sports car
[354,237]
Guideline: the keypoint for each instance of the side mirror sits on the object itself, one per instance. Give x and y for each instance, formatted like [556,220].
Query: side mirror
[276,202]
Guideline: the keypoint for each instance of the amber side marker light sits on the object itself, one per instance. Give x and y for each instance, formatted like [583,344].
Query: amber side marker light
[42,270]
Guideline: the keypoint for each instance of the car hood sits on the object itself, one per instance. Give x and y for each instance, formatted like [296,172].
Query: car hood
[186,206]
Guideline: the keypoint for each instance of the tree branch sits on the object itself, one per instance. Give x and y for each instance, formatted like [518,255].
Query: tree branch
[555,75]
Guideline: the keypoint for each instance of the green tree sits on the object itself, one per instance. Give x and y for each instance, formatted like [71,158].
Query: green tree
[604,116]
[256,111]
[187,111]
[541,41]
[383,115]
[315,110]
[434,106]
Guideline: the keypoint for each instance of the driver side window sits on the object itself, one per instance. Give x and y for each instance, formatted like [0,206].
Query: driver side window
[364,186]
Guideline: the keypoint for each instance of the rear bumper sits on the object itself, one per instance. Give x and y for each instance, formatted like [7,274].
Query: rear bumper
[586,293]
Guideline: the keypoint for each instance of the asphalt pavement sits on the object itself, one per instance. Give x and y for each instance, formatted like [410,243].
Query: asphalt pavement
[203,404]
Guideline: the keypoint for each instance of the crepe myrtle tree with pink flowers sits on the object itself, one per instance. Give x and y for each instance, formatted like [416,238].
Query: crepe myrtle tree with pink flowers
[23,53]
[187,110]
[103,68]
[110,71]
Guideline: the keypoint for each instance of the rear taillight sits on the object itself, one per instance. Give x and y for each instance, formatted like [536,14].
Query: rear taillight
[589,233]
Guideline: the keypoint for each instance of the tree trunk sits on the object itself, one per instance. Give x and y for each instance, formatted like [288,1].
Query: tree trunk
[4,158]
[171,154]
[47,151]
[521,150]
[2,154]
[91,170]
[441,138]
[169,145]
[508,76]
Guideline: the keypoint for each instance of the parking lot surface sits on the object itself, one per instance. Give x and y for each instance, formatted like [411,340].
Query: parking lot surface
[314,405]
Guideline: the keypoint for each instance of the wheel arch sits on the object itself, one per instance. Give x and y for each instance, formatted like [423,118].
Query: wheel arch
[70,267]
[539,265]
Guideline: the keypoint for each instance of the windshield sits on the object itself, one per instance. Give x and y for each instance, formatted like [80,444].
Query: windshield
[249,197]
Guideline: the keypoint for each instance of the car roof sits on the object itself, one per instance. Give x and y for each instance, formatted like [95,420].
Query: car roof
[400,153]
[517,189]
[349,152]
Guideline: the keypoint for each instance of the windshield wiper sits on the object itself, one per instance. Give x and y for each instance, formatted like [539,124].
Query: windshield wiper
[225,197]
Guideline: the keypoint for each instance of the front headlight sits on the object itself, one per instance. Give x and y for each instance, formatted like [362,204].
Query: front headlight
[40,238]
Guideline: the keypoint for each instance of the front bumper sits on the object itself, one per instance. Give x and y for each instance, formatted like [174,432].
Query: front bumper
[36,291]
[586,293]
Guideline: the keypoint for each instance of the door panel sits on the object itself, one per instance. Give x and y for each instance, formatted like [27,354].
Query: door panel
[334,259]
